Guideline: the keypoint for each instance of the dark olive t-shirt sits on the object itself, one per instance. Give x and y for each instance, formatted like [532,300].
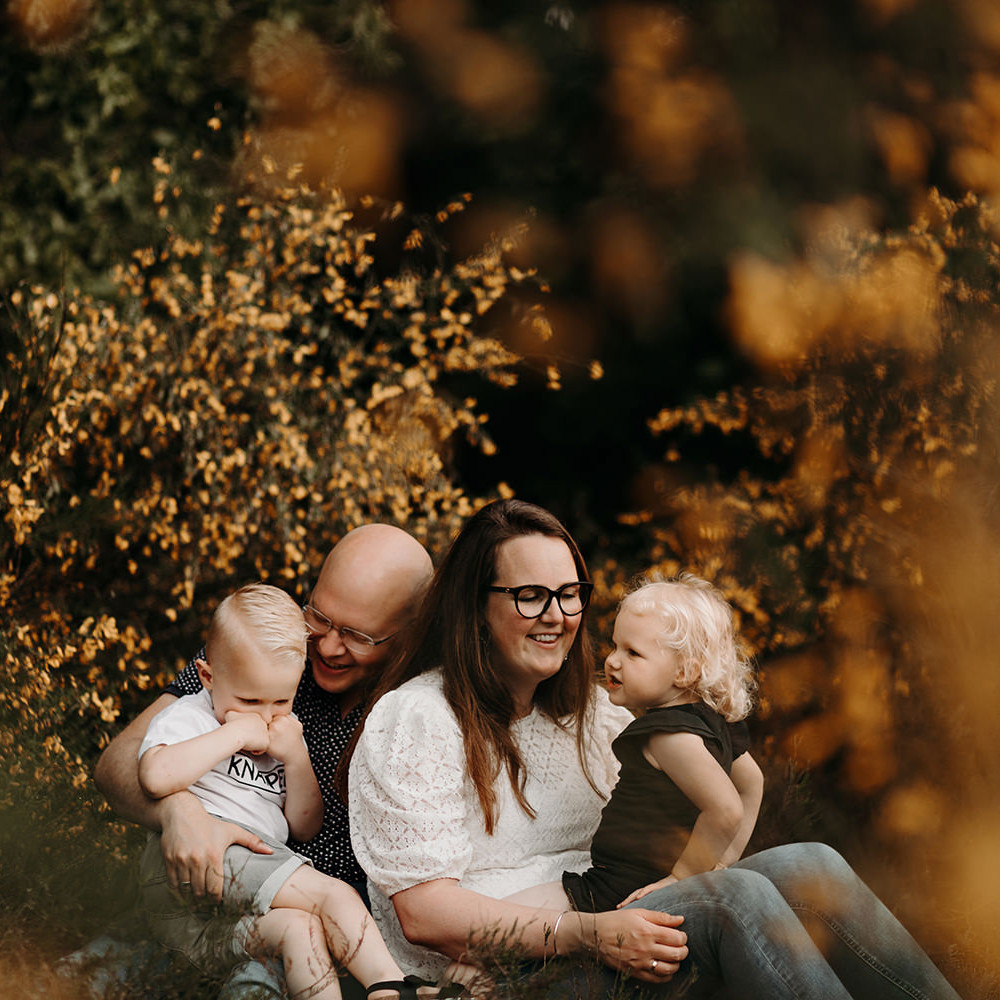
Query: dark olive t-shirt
[647,822]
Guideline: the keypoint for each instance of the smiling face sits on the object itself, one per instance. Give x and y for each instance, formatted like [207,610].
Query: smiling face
[640,673]
[527,651]
[371,582]
[337,669]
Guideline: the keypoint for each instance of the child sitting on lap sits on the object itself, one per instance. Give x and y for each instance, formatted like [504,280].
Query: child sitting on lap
[688,791]
[237,747]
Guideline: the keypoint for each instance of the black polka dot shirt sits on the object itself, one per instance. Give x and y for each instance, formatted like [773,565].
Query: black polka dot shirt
[327,736]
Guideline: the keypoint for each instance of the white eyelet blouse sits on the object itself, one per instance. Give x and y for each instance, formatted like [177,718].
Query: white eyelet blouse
[415,816]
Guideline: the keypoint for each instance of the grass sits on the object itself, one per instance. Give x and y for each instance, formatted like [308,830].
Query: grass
[68,872]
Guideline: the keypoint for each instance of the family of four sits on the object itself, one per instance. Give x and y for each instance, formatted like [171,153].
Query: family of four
[450,743]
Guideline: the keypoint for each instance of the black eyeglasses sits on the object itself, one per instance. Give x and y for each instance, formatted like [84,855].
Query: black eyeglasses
[532,600]
[357,642]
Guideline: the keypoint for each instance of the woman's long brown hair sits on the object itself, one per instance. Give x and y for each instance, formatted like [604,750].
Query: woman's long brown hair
[451,632]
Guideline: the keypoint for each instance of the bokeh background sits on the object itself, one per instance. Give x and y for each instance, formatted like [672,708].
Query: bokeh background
[718,282]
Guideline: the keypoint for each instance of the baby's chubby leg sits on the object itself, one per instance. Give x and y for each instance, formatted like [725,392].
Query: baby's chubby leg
[298,937]
[351,936]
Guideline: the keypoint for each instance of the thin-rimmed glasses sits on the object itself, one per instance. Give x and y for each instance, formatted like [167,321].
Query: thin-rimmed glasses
[357,642]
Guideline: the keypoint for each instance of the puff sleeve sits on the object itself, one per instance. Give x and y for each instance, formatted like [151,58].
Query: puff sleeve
[409,796]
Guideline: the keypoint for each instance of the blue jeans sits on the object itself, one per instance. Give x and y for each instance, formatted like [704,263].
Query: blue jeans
[255,981]
[108,962]
[793,923]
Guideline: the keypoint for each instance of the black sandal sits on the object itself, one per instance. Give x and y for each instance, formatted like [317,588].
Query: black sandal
[406,990]
[408,986]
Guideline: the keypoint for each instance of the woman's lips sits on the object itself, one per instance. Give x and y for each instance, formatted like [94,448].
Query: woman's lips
[546,638]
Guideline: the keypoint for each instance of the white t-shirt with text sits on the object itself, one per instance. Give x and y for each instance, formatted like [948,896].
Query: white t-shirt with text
[245,788]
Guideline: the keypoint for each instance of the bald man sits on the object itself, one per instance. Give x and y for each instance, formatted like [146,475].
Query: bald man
[367,593]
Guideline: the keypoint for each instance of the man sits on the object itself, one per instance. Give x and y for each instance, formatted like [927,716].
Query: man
[367,593]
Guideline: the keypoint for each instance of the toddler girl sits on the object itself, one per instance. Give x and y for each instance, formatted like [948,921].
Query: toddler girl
[688,791]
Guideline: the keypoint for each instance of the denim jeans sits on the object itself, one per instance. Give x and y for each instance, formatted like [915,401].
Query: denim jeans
[255,981]
[107,963]
[793,923]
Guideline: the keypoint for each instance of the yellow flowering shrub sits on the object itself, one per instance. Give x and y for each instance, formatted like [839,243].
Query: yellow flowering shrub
[852,521]
[251,394]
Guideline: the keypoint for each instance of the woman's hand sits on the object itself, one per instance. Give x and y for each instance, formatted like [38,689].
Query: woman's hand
[646,890]
[645,943]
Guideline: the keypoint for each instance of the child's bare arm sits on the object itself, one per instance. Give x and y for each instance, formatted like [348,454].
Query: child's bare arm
[303,799]
[687,761]
[170,768]
[749,783]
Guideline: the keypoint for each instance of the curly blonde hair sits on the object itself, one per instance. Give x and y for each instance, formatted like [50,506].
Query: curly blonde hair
[698,626]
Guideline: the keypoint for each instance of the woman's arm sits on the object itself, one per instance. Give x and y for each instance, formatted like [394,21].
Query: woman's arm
[748,780]
[303,799]
[409,811]
[443,916]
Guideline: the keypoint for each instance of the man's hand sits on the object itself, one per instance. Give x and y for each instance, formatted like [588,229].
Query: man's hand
[252,730]
[285,738]
[194,844]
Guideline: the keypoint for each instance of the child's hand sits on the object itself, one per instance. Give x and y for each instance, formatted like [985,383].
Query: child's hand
[646,890]
[285,738]
[252,730]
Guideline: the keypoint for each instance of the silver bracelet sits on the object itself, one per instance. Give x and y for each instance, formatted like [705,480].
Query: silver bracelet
[555,931]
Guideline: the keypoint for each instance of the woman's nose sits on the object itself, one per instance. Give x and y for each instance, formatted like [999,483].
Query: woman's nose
[552,613]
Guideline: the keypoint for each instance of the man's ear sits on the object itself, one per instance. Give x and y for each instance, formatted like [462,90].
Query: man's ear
[204,673]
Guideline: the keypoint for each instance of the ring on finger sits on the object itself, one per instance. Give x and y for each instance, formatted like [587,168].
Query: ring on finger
[652,965]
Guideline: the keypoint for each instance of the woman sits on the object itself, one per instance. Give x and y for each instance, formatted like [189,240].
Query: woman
[482,770]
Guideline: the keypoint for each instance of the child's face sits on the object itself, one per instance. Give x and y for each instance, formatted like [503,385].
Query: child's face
[640,674]
[242,679]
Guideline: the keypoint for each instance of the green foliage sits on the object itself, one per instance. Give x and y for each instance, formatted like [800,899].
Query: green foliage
[93,91]
[266,375]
